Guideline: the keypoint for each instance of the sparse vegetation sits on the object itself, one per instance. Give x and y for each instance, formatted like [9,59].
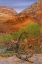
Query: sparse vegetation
[32,30]
[29,31]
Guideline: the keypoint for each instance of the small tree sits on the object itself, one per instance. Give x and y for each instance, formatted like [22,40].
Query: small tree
[22,30]
[33,29]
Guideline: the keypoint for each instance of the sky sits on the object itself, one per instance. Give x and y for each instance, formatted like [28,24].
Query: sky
[17,5]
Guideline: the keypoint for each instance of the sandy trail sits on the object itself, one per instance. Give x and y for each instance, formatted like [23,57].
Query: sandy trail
[37,59]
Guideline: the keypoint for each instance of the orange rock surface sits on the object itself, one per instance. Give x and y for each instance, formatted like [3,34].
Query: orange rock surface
[11,21]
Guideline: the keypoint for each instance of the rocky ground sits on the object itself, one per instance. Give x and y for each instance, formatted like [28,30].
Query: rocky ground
[37,59]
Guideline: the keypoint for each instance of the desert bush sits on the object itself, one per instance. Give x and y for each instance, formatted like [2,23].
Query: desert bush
[33,29]
[6,37]
[5,40]
[15,35]
[22,30]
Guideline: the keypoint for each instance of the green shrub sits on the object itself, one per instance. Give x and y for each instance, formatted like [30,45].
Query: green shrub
[6,37]
[22,30]
[15,35]
[33,29]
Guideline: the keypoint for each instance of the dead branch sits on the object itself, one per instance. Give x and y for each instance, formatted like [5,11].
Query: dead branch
[17,43]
